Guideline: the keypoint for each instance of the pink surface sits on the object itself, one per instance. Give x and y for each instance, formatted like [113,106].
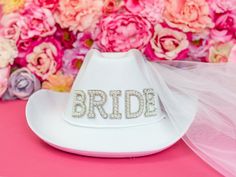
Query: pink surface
[23,154]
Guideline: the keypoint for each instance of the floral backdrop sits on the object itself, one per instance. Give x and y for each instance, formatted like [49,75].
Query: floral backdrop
[43,42]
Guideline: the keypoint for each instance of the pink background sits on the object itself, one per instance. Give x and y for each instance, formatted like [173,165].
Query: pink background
[23,154]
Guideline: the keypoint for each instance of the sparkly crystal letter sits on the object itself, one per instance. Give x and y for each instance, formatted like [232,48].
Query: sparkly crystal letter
[97,98]
[79,107]
[138,95]
[115,106]
[150,107]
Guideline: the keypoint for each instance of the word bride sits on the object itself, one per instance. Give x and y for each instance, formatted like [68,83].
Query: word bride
[97,99]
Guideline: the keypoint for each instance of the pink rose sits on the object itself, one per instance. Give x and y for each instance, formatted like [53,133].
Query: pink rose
[111,6]
[220,52]
[44,58]
[78,15]
[167,44]
[150,9]
[188,15]
[36,21]
[9,28]
[221,6]
[24,46]
[225,26]
[121,32]
[49,4]
[4,75]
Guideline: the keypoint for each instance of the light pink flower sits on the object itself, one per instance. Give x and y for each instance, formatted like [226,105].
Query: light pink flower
[36,21]
[45,58]
[225,26]
[150,9]
[220,52]
[78,15]
[121,32]
[4,75]
[9,28]
[167,44]
[221,6]
[8,52]
[188,15]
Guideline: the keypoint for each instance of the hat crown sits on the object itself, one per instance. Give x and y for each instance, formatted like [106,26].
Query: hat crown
[111,90]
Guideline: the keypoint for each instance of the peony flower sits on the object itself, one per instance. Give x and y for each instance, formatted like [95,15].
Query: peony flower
[24,45]
[4,75]
[9,28]
[111,6]
[49,4]
[150,9]
[22,83]
[219,52]
[45,58]
[36,21]
[221,6]
[8,52]
[199,46]
[167,44]
[66,37]
[78,15]
[121,32]
[188,15]
[225,26]
[72,61]
[9,6]
[58,82]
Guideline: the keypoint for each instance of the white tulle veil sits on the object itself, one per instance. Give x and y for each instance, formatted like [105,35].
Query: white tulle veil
[212,135]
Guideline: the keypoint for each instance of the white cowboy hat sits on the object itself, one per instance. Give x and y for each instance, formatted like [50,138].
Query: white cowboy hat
[111,111]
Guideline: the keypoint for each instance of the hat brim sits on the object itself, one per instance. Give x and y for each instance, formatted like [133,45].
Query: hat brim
[44,112]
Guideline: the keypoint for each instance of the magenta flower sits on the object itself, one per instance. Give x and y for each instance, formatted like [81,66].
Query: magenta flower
[66,37]
[225,26]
